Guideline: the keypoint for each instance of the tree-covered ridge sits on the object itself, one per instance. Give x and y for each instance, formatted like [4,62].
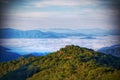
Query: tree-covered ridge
[69,63]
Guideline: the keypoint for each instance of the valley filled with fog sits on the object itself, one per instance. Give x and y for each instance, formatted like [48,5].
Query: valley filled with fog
[41,45]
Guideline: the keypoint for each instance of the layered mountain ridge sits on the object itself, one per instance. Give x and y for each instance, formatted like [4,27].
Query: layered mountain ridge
[54,33]
[113,50]
[6,55]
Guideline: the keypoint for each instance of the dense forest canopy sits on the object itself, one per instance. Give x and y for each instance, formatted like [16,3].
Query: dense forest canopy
[69,63]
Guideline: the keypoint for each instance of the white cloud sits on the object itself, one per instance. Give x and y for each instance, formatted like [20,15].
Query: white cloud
[42,14]
[69,3]
[86,18]
[31,15]
[86,13]
[80,17]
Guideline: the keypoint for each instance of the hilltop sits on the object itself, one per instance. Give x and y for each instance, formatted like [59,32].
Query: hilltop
[69,63]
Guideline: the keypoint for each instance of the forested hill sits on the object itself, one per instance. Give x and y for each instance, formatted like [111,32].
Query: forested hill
[69,63]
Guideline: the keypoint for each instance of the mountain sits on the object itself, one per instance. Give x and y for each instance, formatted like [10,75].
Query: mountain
[90,32]
[69,63]
[113,50]
[54,33]
[5,55]
[14,33]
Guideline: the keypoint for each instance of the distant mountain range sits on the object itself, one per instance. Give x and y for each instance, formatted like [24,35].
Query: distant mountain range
[113,50]
[14,33]
[53,33]
[92,32]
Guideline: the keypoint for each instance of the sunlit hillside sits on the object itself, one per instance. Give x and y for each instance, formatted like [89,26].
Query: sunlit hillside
[69,63]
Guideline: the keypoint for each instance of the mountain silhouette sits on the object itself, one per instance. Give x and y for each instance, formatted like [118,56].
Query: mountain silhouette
[113,50]
[6,55]
[14,33]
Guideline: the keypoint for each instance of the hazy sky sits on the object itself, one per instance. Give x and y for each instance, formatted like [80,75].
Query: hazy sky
[44,14]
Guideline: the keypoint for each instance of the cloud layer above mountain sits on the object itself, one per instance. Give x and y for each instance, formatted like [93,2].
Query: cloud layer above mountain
[36,14]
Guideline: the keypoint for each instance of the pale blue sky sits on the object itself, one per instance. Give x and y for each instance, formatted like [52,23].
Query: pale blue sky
[72,14]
